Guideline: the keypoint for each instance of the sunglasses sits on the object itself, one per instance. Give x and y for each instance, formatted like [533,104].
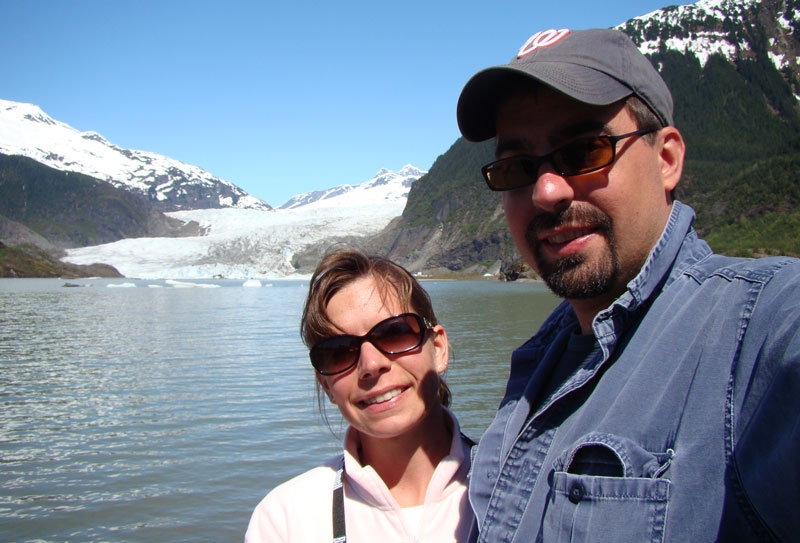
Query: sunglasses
[395,335]
[578,157]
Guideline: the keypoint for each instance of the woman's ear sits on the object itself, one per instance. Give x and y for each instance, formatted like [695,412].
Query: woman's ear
[323,382]
[441,348]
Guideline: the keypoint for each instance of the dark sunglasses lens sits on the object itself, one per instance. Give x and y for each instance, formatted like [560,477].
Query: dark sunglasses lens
[511,173]
[335,355]
[583,156]
[398,334]
[392,336]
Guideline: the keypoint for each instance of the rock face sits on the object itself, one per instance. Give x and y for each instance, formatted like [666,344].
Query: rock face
[74,210]
[27,260]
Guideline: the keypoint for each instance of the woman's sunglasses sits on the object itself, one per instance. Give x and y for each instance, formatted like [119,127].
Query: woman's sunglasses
[395,335]
[578,157]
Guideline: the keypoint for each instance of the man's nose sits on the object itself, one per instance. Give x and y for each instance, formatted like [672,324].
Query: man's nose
[552,191]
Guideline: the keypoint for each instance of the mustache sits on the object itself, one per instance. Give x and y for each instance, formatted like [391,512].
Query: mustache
[589,217]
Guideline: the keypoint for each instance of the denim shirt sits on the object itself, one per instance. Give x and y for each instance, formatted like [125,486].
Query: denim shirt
[683,426]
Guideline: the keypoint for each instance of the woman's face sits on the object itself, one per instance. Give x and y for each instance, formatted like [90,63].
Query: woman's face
[383,396]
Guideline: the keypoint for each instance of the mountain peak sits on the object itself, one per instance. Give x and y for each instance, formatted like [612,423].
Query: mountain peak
[386,187]
[409,171]
[28,131]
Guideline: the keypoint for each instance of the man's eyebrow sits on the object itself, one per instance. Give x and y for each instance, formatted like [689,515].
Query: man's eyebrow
[504,146]
[578,129]
[559,136]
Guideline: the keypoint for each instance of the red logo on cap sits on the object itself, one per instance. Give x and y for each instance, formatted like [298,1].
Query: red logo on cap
[545,38]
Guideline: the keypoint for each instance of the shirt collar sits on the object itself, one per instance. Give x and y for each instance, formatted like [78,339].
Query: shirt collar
[668,258]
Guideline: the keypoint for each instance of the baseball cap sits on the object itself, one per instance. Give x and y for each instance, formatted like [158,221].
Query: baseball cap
[594,66]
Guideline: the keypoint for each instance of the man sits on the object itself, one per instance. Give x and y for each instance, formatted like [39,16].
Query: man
[661,400]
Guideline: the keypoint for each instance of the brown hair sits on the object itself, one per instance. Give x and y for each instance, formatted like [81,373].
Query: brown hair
[646,119]
[643,115]
[341,267]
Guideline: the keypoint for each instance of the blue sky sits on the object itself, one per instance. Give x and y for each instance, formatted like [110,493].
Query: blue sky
[277,97]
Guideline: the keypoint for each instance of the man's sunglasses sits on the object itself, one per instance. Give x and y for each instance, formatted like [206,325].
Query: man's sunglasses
[395,335]
[578,157]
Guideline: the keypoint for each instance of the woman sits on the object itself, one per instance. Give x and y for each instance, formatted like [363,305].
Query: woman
[378,354]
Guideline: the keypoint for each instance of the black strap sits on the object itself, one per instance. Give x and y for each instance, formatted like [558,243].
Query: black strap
[339,530]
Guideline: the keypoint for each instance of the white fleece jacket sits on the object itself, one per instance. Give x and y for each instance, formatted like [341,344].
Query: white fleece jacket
[299,510]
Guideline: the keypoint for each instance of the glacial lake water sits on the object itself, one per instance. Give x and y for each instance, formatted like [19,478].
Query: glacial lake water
[138,411]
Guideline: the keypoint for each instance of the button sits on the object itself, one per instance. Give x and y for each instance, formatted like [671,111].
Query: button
[576,492]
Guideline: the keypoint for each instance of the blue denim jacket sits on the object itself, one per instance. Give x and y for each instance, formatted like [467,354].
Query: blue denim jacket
[683,427]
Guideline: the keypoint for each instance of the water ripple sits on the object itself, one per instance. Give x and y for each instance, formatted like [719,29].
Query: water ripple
[142,414]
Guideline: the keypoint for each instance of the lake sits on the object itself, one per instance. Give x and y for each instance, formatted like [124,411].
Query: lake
[141,411]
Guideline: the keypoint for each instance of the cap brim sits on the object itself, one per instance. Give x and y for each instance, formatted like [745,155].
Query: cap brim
[477,106]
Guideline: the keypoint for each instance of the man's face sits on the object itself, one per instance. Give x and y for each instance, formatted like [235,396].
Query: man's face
[587,236]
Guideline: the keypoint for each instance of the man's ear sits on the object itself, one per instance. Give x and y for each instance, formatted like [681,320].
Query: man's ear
[671,153]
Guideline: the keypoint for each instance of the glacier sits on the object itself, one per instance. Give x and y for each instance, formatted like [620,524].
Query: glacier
[256,243]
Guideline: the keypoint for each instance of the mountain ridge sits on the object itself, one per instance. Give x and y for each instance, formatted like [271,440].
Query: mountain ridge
[169,184]
[403,179]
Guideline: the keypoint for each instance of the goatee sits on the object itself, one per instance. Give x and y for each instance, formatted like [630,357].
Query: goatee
[575,277]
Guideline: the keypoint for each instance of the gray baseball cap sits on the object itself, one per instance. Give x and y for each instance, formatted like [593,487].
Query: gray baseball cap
[595,66]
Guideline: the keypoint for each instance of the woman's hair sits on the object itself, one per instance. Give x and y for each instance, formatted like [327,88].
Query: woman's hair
[342,267]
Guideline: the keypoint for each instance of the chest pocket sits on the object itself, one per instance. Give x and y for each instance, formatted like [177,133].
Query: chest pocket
[607,488]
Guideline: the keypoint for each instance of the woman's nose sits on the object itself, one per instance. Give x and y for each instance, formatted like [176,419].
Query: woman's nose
[371,361]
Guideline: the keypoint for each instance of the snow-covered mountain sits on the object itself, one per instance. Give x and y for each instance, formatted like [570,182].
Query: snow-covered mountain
[170,184]
[733,28]
[393,186]
[251,243]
